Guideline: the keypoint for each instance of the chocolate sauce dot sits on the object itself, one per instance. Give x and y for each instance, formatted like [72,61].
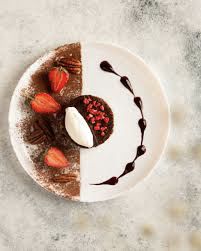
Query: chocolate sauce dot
[138,102]
[126,82]
[105,66]
[141,150]
[113,181]
[129,168]
[142,124]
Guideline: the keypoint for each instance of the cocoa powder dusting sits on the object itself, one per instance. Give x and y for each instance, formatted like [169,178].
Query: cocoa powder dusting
[49,130]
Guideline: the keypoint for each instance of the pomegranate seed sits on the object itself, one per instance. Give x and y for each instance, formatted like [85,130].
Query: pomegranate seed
[94,102]
[86,101]
[89,99]
[102,134]
[103,128]
[93,120]
[98,104]
[102,107]
[98,124]
[106,119]
[90,115]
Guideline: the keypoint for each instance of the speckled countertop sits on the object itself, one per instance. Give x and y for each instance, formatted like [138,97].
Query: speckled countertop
[161,213]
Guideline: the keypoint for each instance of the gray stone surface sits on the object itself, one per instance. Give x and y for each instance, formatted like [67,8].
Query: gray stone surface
[161,213]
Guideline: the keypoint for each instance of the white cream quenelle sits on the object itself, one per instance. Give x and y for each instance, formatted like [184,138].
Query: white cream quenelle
[77,128]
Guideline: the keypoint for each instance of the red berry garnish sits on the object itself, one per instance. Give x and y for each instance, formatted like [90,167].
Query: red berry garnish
[44,103]
[89,107]
[86,101]
[93,120]
[98,117]
[102,134]
[106,119]
[102,108]
[103,128]
[55,158]
[96,128]
[93,111]
[58,78]
[102,115]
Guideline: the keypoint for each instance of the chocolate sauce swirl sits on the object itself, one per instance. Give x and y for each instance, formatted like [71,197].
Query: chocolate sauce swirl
[142,123]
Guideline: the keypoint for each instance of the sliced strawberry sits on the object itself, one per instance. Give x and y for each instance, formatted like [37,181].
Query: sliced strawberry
[55,158]
[58,78]
[44,103]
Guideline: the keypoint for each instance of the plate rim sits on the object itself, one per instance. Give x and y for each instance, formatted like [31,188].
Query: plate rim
[166,135]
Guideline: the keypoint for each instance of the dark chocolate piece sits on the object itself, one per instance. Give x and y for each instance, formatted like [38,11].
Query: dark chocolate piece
[79,105]
[141,149]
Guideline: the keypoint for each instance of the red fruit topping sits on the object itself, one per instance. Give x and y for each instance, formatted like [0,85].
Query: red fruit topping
[55,158]
[102,134]
[44,103]
[102,108]
[94,102]
[88,117]
[89,99]
[98,117]
[89,107]
[98,124]
[106,119]
[103,128]
[86,101]
[58,78]
[96,128]
[97,104]
[102,115]
[93,111]
[93,120]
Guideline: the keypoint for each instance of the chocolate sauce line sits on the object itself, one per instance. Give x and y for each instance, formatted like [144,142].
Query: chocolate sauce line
[141,149]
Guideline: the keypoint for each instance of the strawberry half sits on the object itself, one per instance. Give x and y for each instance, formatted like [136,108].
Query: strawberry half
[58,78]
[55,158]
[44,103]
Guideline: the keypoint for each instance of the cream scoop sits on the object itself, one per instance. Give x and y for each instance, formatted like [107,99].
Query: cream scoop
[77,128]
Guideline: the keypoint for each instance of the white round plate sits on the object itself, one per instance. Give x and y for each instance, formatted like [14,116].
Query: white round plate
[109,159]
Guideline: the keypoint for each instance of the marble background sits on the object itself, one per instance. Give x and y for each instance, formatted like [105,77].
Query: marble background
[161,213]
